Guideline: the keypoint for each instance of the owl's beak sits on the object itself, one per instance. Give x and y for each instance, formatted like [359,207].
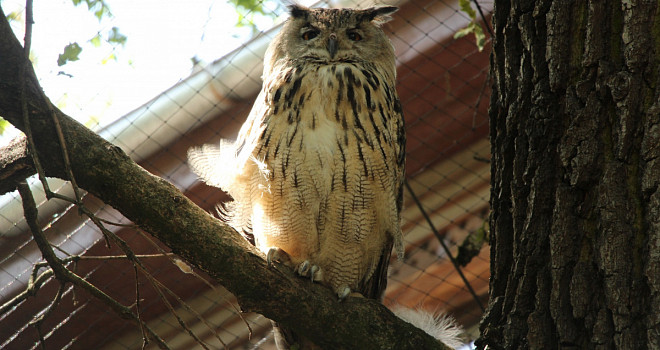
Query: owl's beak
[332,45]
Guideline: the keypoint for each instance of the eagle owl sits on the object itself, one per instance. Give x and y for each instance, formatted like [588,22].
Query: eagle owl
[317,169]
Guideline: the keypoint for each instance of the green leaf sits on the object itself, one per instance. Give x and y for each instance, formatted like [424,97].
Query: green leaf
[107,59]
[96,40]
[467,8]
[250,5]
[116,37]
[14,16]
[71,53]
[473,28]
[99,14]
[246,11]
[3,125]
[99,7]
[465,31]
[241,22]
[479,36]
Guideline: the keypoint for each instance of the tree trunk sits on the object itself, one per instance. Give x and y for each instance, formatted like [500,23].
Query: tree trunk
[575,132]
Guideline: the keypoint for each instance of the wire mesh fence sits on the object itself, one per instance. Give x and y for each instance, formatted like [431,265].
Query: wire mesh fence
[444,90]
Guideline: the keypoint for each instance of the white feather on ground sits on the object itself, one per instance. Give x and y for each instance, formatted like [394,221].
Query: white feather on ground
[439,325]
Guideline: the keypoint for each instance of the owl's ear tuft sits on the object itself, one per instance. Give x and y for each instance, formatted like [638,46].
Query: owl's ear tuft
[297,11]
[379,15]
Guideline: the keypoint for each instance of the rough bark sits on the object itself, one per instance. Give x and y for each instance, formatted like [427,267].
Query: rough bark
[15,164]
[158,207]
[575,134]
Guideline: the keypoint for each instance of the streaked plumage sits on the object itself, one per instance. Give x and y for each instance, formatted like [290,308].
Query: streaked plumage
[317,168]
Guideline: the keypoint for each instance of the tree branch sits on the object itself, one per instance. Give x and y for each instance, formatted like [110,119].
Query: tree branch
[62,273]
[34,284]
[15,164]
[162,210]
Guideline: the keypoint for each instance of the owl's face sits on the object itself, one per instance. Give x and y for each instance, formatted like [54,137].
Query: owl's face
[331,36]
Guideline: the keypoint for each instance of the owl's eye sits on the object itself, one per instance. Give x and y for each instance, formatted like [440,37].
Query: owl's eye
[355,36]
[310,34]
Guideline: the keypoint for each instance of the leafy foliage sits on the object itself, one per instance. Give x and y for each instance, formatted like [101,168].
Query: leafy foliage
[99,7]
[116,37]
[14,16]
[73,50]
[256,6]
[472,28]
[70,53]
[247,10]
[96,40]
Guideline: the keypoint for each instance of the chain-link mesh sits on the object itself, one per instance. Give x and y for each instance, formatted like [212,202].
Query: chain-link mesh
[444,90]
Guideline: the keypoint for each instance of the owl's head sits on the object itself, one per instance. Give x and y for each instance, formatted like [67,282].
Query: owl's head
[329,36]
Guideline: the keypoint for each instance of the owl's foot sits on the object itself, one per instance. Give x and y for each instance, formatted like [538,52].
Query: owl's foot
[309,270]
[343,291]
[277,254]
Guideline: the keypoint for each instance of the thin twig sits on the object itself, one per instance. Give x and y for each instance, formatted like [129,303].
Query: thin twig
[482,159]
[481,94]
[444,246]
[157,287]
[132,225]
[42,340]
[34,284]
[38,320]
[76,258]
[65,152]
[191,310]
[145,338]
[122,257]
[35,269]
[29,20]
[23,78]
[483,17]
[31,216]
[62,273]
[155,283]
[178,263]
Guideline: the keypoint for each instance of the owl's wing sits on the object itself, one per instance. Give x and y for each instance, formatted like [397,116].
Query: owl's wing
[374,287]
[205,161]
[398,134]
[230,166]
[223,165]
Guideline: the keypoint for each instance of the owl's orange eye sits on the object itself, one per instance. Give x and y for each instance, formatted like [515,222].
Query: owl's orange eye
[310,34]
[355,36]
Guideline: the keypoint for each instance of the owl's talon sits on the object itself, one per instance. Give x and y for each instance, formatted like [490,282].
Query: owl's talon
[343,291]
[269,256]
[277,254]
[307,269]
[303,268]
[314,272]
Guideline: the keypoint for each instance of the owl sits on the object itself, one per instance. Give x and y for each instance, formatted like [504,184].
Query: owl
[316,171]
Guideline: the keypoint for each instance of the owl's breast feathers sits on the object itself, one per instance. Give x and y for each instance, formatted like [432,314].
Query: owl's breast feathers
[317,108]
[326,149]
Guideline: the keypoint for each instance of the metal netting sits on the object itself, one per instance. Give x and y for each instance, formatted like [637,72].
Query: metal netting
[444,90]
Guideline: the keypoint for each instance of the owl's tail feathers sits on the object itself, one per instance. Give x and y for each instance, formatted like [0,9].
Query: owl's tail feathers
[439,325]
[217,165]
